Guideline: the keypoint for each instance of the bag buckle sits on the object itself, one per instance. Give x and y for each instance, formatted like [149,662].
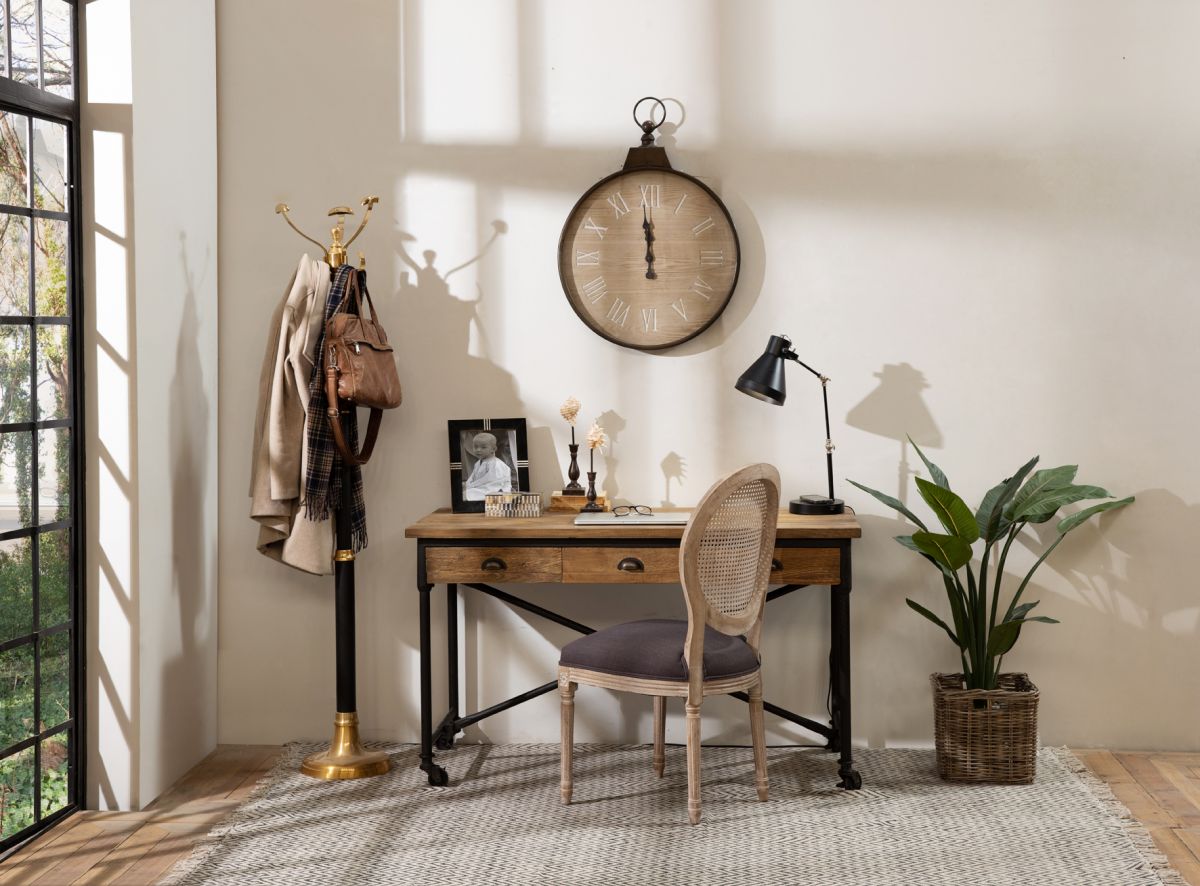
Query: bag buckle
[357,350]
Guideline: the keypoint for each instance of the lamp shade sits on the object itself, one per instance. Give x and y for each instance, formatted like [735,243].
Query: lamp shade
[765,377]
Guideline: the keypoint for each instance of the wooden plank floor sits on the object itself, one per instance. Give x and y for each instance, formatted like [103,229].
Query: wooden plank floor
[127,848]
[1163,793]
[136,848]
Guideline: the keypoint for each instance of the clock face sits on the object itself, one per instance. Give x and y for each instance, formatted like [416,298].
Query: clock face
[648,258]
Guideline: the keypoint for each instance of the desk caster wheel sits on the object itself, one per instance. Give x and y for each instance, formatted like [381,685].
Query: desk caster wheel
[851,780]
[438,777]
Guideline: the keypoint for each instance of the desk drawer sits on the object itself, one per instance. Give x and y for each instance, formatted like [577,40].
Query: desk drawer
[620,565]
[482,564]
[807,566]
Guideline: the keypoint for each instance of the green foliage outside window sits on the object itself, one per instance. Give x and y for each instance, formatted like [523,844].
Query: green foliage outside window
[18,719]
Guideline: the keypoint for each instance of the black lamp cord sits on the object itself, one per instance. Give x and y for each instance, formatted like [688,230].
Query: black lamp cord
[789,354]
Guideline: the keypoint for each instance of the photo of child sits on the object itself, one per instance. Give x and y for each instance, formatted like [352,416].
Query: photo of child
[488,462]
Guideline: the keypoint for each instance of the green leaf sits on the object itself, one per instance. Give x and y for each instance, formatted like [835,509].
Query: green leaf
[1041,481]
[1020,611]
[917,607]
[990,516]
[1004,636]
[951,510]
[939,476]
[1052,499]
[891,502]
[949,550]
[1066,524]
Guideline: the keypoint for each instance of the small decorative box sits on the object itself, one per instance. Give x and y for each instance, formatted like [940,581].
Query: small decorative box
[512,504]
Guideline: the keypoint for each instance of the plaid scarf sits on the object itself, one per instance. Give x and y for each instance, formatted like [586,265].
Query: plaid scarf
[327,474]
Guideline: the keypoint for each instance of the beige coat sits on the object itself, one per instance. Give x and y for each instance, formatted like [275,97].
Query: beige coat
[279,453]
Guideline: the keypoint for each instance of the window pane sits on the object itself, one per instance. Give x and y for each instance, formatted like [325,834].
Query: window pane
[16,466]
[54,373]
[49,165]
[16,792]
[50,257]
[16,702]
[14,135]
[54,482]
[16,588]
[56,679]
[55,771]
[54,577]
[25,41]
[56,46]
[14,265]
[14,374]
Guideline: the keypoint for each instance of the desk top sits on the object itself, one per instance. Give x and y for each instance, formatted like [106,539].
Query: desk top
[444,524]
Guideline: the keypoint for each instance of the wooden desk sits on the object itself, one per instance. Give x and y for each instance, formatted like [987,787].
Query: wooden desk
[478,552]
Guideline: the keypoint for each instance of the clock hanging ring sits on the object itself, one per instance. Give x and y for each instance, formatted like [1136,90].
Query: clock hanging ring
[649,256]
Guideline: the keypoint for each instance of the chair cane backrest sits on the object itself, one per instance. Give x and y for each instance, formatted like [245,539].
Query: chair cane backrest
[725,555]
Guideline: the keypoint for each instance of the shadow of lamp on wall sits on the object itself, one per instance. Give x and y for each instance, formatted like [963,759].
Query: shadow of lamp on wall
[765,381]
[897,411]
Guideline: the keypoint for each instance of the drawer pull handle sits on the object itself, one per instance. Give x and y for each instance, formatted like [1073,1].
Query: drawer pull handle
[493,564]
[631,564]
[776,564]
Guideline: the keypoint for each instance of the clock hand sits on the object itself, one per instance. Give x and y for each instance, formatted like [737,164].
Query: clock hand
[648,227]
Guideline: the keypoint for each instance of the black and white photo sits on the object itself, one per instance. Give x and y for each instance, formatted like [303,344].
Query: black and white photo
[486,456]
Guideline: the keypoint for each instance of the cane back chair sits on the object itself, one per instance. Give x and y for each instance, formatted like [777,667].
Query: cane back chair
[724,565]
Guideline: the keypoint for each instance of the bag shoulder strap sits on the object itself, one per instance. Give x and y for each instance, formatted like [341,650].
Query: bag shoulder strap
[335,423]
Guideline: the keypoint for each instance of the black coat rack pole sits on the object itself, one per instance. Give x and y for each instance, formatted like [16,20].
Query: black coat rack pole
[345,757]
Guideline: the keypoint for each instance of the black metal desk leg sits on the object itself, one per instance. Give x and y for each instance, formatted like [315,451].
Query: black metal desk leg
[839,599]
[437,775]
[447,729]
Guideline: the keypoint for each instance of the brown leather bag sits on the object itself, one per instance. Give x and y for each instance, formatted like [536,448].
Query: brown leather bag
[360,367]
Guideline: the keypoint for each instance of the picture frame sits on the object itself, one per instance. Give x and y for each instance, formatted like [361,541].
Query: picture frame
[479,450]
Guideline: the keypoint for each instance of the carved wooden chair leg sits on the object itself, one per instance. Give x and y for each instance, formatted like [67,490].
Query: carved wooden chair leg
[660,734]
[758,738]
[567,691]
[693,761]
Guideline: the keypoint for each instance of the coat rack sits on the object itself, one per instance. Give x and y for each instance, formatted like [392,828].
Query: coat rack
[345,757]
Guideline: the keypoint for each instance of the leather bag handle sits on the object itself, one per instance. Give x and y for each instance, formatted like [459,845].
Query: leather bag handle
[335,422]
[360,293]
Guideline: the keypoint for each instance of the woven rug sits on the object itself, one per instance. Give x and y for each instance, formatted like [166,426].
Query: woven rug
[500,822]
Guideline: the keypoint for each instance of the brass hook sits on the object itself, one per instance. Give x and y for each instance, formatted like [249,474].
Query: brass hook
[283,209]
[369,204]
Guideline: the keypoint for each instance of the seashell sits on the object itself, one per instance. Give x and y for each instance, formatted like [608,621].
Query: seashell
[596,437]
[569,410]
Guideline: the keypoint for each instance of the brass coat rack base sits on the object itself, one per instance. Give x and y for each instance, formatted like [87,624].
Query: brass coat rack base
[345,757]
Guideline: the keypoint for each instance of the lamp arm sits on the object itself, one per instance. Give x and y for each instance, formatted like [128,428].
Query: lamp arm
[789,354]
[828,436]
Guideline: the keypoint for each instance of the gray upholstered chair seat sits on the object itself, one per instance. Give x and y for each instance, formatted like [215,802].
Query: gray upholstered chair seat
[653,650]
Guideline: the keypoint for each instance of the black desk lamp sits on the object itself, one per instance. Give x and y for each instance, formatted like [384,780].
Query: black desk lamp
[765,381]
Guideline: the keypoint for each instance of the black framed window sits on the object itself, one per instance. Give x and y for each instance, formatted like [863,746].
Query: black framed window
[41,588]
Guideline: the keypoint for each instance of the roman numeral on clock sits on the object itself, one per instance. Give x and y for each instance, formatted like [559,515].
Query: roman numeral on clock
[618,204]
[679,308]
[598,230]
[701,289]
[651,196]
[703,226]
[712,256]
[587,258]
[650,319]
[618,312]
[595,290]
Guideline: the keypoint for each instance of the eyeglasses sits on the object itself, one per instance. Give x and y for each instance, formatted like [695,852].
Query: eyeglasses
[626,510]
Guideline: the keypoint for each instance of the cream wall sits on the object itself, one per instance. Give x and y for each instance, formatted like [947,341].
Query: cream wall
[979,219]
[149,224]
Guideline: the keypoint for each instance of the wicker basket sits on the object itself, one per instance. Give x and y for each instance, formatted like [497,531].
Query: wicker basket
[986,734]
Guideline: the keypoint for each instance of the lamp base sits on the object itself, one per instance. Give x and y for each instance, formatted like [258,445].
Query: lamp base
[816,504]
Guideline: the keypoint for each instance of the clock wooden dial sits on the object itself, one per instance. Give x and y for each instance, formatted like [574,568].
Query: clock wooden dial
[648,258]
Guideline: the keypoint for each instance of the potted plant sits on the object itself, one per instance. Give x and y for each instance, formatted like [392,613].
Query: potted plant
[986,721]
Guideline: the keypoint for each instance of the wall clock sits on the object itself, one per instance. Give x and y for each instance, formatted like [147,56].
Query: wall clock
[649,256]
